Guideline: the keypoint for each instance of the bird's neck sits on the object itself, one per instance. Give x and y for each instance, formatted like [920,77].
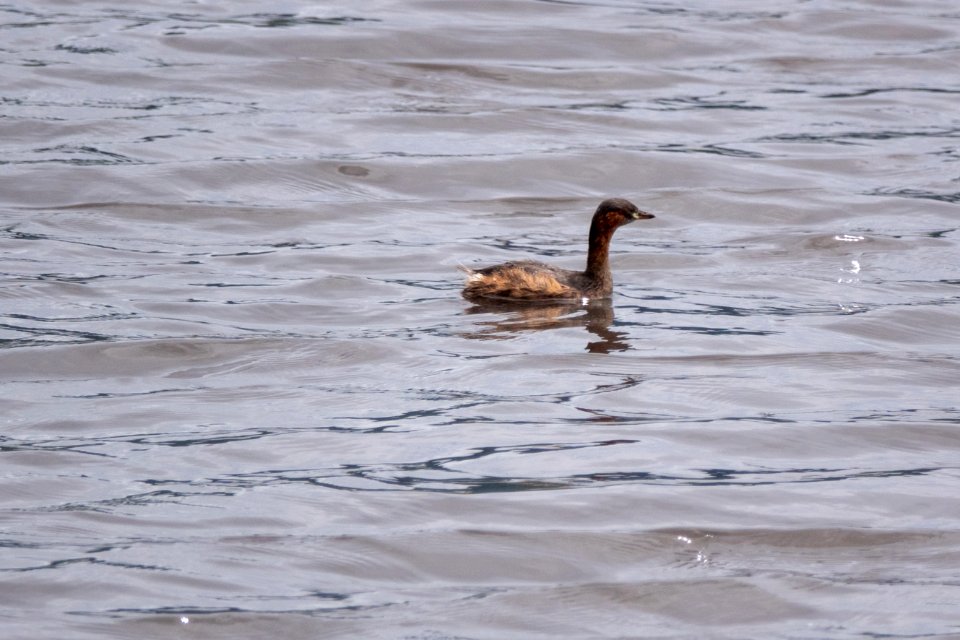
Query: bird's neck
[598,254]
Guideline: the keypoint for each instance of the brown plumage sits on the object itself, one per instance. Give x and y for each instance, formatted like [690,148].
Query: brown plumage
[527,280]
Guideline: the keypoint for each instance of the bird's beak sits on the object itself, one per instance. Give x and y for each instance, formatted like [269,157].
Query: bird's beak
[642,215]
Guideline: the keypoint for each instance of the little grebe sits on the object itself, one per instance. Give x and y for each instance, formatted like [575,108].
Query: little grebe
[527,280]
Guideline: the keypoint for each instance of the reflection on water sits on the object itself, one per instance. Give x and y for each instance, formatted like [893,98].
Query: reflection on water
[596,316]
[239,382]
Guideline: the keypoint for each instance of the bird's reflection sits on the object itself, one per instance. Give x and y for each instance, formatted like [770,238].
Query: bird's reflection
[596,316]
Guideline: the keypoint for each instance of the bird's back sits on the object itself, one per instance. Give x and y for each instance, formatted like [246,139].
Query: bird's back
[522,280]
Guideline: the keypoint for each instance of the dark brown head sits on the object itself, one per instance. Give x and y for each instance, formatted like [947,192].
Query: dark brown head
[622,208]
[610,215]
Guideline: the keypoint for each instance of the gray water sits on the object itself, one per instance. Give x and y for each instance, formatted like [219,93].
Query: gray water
[242,397]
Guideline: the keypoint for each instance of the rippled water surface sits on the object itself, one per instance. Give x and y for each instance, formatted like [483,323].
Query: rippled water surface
[242,397]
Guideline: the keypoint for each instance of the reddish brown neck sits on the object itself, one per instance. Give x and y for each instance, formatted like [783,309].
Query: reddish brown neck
[601,231]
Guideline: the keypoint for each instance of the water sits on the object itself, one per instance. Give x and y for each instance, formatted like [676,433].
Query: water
[243,398]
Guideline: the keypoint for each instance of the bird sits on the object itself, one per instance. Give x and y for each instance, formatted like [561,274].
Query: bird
[532,281]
